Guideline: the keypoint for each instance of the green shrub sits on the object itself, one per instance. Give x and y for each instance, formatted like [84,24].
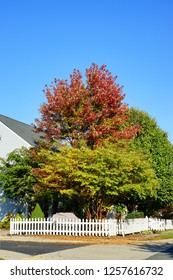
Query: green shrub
[37,213]
[135,215]
[5,223]
[147,232]
[20,216]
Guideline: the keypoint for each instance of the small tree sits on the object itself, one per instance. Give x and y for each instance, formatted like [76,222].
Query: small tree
[37,213]
[16,177]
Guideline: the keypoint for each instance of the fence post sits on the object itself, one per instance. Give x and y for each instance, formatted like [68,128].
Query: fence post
[11,226]
[147,220]
[123,227]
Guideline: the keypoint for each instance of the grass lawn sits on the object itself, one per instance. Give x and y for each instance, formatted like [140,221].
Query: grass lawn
[164,235]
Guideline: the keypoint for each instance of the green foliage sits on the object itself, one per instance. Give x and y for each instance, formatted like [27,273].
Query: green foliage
[20,216]
[135,215]
[19,183]
[147,232]
[121,210]
[154,142]
[37,213]
[5,223]
[16,175]
[97,178]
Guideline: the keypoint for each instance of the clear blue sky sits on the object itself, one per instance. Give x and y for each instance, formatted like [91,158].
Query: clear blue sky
[44,39]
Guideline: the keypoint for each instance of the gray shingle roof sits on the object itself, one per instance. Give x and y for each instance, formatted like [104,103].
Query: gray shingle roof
[25,131]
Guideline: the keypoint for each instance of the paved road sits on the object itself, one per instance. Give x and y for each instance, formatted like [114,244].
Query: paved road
[164,255]
[35,248]
[57,251]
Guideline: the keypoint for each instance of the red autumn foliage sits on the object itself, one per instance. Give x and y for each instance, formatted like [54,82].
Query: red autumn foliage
[93,111]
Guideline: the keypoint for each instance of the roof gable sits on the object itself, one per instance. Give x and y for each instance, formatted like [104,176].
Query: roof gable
[25,131]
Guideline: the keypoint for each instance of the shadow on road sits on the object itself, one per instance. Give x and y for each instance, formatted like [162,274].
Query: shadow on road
[162,251]
[35,248]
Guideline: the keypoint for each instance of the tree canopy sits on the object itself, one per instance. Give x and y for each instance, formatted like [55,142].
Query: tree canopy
[18,182]
[97,178]
[90,111]
[16,175]
[154,141]
[98,151]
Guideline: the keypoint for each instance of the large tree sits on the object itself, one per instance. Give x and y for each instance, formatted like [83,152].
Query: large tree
[97,178]
[154,141]
[92,111]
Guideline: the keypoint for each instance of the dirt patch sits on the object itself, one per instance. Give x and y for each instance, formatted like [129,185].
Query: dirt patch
[128,239]
[93,239]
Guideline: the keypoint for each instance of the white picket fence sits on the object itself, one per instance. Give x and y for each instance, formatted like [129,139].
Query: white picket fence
[168,224]
[63,227]
[79,227]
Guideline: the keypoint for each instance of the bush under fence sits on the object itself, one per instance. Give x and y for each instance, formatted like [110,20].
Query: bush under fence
[111,227]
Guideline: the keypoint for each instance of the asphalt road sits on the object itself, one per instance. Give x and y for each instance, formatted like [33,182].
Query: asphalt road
[34,248]
[164,255]
[55,251]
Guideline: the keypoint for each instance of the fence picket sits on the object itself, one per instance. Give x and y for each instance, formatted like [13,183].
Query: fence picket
[87,227]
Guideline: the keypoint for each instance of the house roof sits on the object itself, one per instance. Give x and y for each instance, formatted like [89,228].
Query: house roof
[25,131]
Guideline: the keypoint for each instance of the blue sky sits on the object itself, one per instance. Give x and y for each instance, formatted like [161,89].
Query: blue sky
[41,40]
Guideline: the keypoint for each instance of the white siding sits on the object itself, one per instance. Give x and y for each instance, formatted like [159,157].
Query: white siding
[10,141]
